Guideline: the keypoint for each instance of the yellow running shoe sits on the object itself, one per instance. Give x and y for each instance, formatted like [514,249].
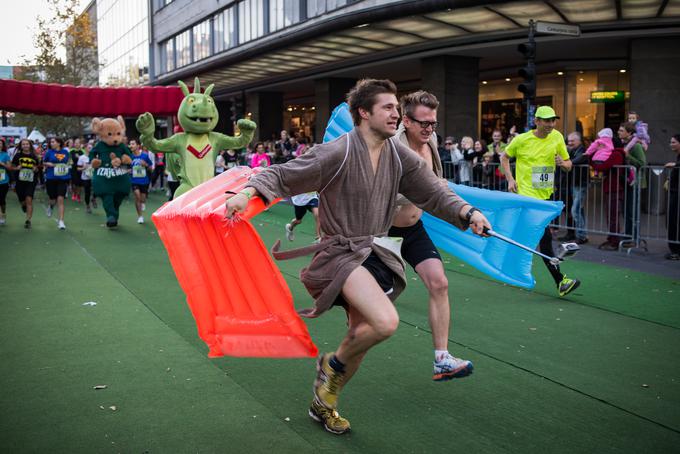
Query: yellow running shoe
[328,382]
[331,419]
[567,285]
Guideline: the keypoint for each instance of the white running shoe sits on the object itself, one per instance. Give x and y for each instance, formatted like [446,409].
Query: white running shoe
[2,221]
[289,232]
[49,211]
[140,220]
[143,206]
[61,225]
[451,367]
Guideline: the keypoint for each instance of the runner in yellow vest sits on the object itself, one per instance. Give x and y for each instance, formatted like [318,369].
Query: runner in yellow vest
[537,153]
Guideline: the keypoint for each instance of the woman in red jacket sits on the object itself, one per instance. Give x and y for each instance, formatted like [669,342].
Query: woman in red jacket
[613,186]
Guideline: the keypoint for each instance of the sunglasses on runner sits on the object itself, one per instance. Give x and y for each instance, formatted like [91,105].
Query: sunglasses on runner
[425,124]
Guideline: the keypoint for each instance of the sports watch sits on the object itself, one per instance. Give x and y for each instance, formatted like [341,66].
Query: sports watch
[468,216]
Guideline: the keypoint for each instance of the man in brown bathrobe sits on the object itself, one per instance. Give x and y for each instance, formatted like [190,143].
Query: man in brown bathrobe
[419,121]
[358,177]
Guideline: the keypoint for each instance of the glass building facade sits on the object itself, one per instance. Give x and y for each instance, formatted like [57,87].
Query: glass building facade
[241,22]
[123,42]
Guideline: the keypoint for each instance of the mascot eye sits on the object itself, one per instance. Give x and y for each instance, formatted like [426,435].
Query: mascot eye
[190,100]
[210,101]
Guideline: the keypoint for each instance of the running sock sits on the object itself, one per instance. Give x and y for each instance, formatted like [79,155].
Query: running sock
[440,354]
[554,272]
[336,365]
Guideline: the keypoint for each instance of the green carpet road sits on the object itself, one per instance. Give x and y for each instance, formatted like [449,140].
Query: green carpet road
[595,372]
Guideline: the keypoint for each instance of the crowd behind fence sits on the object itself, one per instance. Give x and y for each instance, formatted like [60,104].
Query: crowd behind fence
[630,206]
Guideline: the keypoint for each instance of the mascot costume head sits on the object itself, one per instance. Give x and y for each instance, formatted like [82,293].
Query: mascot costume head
[198,146]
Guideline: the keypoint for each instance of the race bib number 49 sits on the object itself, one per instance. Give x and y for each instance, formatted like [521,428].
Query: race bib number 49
[26,175]
[542,177]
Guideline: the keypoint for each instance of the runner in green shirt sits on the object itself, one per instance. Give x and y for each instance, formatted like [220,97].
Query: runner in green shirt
[536,154]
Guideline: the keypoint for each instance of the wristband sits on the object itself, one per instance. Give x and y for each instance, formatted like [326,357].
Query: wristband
[468,216]
[240,192]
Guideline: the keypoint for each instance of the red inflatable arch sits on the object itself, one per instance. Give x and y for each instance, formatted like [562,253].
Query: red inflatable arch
[54,99]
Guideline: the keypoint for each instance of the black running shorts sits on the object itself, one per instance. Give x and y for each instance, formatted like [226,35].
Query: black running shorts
[417,246]
[24,189]
[383,275]
[143,188]
[56,188]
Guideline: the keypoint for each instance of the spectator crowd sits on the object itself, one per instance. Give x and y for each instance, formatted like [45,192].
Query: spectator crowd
[615,159]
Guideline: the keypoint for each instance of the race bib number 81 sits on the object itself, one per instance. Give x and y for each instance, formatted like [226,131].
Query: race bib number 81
[542,177]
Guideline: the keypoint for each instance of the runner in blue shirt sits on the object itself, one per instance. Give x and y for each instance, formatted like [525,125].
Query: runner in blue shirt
[5,167]
[57,176]
[140,178]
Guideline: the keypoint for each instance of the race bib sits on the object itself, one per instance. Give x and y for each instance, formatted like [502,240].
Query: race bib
[542,177]
[231,165]
[138,172]
[60,170]
[87,173]
[26,175]
[2,174]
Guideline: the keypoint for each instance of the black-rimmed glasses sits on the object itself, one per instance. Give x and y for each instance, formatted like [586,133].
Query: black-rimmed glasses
[425,124]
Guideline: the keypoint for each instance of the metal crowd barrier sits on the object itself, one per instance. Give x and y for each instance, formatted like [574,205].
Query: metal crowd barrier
[630,206]
[603,203]
[659,205]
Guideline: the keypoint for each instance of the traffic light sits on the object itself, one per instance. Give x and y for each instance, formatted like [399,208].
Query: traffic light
[528,49]
[528,72]
[528,87]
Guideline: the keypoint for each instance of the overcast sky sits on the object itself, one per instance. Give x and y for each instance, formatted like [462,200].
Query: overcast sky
[19,26]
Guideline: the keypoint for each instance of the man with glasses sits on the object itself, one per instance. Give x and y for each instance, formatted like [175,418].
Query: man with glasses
[537,152]
[417,132]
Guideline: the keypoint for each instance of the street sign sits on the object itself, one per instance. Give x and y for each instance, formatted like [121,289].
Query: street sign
[553,28]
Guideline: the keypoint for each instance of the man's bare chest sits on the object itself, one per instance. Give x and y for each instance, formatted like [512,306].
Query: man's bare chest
[427,156]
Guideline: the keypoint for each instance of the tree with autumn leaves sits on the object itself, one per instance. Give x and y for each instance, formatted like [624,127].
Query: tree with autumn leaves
[75,32]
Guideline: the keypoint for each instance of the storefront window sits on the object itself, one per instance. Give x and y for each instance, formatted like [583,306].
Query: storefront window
[299,119]
[501,105]
[595,111]
[573,95]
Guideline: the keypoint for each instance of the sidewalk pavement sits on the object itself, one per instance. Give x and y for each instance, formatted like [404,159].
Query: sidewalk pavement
[650,261]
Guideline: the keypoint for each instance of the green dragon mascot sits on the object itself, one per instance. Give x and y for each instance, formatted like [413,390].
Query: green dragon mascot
[198,146]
